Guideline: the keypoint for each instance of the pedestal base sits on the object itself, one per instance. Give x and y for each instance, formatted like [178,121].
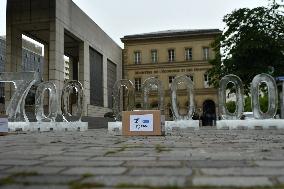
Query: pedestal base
[47,126]
[251,124]
[115,128]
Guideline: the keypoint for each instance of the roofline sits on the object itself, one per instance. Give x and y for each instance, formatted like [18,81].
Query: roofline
[189,33]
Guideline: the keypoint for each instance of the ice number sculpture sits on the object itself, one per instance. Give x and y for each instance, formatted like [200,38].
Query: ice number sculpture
[122,88]
[189,87]
[71,87]
[239,97]
[282,101]
[272,96]
[153,84]
[39,102]
[22,81]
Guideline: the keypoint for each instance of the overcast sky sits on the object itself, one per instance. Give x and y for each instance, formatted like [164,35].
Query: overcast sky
[123,17]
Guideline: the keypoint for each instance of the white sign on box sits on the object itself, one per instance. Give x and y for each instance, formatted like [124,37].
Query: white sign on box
[141,122]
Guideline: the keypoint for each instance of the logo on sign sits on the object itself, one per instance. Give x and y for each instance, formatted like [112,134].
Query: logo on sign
[141,122]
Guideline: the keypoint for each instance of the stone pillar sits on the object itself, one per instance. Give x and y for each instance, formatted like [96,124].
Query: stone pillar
[105,81]
[71,61]
[13,57]
[84,73]
[45,74]
[56,57]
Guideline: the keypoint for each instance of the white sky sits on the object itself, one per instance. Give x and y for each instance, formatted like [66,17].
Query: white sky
[125,17]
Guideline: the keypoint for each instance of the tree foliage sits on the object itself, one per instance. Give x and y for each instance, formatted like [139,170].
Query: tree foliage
[252,43]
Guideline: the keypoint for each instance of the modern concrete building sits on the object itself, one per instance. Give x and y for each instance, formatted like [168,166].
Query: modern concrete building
[64,29]
[166,55]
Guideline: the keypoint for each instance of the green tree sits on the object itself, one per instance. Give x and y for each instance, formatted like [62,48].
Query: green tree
[252,43]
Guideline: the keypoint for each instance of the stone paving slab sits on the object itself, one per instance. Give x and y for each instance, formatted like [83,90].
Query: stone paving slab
[139,181]
[232,181]
[94,159]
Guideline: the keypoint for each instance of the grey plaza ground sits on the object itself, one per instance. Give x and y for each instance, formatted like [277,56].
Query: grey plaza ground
[207,158]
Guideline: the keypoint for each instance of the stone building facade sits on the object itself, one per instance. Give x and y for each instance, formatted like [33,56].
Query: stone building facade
[166,55]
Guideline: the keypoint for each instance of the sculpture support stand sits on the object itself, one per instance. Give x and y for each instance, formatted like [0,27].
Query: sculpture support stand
[47,126]
[251,124]
[115,128]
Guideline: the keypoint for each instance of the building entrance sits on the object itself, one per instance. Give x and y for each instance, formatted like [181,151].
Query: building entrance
[209,113]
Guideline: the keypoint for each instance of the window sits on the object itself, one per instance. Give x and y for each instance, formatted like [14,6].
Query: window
[206,81]
[137,82]
[171,54]
[188,54]
[154,56]
[205,53]
[137,57]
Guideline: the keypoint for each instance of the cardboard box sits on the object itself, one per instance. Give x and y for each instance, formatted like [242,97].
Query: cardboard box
[142,123]
[3,125]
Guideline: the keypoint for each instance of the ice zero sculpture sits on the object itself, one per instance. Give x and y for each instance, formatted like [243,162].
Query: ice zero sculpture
[239,97]
[189,86]
[120,87]
[68,88]
[150,84]
[282,101]
[272,96]
[53,102]
[23,81]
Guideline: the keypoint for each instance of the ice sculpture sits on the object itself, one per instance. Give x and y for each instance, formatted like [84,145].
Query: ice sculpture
[53,102]
[119,94]
[70,87]
[191,107]
[282,101]
[272,96]
[225,114]
[23,81]
[151,84]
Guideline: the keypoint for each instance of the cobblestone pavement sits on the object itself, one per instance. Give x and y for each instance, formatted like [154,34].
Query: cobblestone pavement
[206,158]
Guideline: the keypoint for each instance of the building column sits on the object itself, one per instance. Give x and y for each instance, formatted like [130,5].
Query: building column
[56,57]
[13,57]
[45,74]
[105,92]
[84,73]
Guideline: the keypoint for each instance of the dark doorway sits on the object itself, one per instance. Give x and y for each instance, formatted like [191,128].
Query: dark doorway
[209,113]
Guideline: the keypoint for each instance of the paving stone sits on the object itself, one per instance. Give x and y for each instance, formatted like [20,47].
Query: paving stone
[124,158]
[281,179]
[161,171]
[125,154]
[160,181]
[35,169]
[3,167]
[85,153]
[35,187]
[95,171]
[47,179]
[64,158]
[232,181]
[16,161]
[153,164]
[19,155]
[256,171]
[270,163]
[84,163]
[217,163]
